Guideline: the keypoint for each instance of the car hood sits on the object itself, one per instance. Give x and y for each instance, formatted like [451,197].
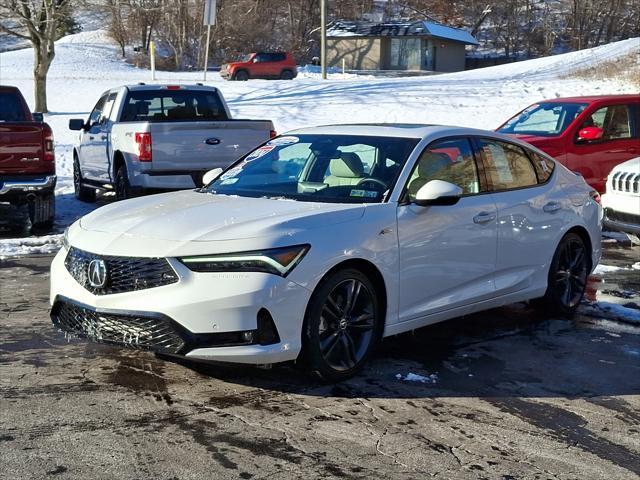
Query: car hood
[191,216]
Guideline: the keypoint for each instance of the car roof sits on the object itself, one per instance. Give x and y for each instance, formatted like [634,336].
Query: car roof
[593,98]
[399,130]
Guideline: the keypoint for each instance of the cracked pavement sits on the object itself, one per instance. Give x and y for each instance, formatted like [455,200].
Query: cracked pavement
[517,396]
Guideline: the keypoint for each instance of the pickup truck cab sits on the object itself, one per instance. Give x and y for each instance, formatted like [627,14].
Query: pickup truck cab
[589,135]
[142,138]
[27,159]
[267,65]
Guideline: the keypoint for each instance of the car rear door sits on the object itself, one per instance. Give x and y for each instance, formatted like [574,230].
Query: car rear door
[447,254]
[594,160]
[97,160]
[530,213]
[90,142]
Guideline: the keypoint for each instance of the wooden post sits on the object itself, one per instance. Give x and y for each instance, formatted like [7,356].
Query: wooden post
[323,38]
[206,53]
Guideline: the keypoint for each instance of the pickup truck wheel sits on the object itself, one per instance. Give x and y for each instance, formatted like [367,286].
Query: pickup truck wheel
[123,189]
[42,212]
[241,76]
[82,193]
[286,75]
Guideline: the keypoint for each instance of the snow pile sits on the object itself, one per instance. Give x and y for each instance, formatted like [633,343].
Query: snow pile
[613,311]
[414,377]
[30,246]
[602,269]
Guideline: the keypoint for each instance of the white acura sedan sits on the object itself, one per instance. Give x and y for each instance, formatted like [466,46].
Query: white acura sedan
[320,243]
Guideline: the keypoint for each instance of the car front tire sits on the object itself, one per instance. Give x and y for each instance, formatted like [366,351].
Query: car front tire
[342,326]
[241,76]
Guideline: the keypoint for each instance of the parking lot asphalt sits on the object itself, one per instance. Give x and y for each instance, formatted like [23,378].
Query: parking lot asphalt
[506,394]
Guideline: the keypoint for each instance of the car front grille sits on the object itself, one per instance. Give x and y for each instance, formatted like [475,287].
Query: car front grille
[141,331]
[621,217]
[123,274]
[628,182]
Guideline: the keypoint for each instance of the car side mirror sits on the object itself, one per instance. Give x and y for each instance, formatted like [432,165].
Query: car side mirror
[589,134]
[76,124]
[38,117]
[438,192]
[211,175]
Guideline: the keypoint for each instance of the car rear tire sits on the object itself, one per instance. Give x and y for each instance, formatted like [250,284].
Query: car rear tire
[122,186]
[241,76]
[568,274]
[82,193]
[342,326]
[286,75]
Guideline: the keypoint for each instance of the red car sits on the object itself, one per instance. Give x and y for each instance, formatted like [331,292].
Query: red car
[589,135]
[27,159]
[274,65]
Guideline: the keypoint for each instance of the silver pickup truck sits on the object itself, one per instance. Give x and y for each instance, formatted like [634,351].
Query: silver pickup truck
[158,137]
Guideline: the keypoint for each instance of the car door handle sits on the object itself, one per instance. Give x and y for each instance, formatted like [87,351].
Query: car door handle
[484,217]
[552,207]
[103,138]
[90,137]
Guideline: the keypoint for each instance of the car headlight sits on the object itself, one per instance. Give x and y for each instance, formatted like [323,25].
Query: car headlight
[278,261]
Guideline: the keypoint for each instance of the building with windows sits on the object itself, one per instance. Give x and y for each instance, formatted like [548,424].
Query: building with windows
[420,45]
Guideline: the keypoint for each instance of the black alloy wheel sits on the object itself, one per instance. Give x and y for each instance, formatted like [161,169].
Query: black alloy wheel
[342,326]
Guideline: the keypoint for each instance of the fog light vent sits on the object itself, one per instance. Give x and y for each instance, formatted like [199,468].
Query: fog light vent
[267,333]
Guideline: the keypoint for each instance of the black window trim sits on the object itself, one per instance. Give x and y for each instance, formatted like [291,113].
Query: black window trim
[476,141]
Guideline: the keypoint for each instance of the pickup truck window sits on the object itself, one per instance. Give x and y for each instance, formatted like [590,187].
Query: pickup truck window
[173,106]
[546,119]
[11,108]
[96,113]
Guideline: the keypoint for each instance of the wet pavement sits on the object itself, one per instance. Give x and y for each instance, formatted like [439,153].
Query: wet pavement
[506,394]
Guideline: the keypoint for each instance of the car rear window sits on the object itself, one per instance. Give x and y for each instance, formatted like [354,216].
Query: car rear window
[173,106]
[11,108]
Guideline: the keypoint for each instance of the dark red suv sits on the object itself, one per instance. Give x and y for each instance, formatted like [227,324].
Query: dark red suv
[589,135]
[267,65]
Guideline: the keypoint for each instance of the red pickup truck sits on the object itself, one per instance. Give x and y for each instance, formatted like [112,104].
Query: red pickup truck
[589,135]
[27,159]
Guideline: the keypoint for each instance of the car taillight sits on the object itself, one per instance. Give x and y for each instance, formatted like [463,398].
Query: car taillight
[595,196]
[49,150]
[273,134]
[143,140]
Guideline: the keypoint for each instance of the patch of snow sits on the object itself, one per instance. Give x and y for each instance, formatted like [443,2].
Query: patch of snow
[636,266]
[30,246]
[613,311]
[601,269]
[414,377]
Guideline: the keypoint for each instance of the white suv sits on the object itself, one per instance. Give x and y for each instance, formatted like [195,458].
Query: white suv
[622,201]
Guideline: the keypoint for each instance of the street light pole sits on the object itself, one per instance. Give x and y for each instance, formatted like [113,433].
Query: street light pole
[323,38]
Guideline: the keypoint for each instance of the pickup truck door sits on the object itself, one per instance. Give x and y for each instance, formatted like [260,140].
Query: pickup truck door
[94,140]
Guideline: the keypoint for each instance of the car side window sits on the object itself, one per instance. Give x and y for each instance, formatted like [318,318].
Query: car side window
[614,120]
[97,111]
[108,106]
[544,167]
[450,160]
[262,57]
[506,166]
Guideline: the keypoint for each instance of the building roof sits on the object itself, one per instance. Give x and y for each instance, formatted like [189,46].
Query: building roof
[341,29]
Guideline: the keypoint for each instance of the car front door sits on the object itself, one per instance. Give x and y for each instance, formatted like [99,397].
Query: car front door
[447,254]
[530,213]
[594,160]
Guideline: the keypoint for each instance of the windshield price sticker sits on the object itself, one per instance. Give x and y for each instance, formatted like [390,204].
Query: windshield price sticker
[281,141]
[260,152]
[363,193]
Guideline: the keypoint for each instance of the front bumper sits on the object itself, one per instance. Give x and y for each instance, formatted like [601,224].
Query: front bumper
[621,221]
[20,186]
[203,315]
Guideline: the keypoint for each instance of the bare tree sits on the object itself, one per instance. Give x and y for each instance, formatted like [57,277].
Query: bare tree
[38,22]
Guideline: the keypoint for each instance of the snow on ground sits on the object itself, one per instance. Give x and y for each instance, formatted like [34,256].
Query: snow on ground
[87,64]
[414,377]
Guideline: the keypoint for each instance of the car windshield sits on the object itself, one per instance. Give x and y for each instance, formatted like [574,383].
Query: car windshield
[318,168]
[544,119]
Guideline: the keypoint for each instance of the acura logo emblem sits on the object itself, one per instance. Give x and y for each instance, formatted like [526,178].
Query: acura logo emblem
[97,273]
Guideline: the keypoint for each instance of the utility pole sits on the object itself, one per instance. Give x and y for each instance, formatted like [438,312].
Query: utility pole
[323,38]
